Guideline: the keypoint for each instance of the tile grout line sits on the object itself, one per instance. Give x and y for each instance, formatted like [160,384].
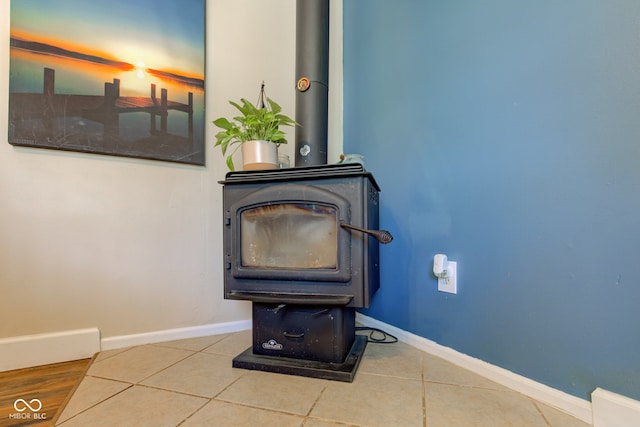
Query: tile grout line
[115,353]
[195,412]
[535,404]
[261,408]
[169,366]
[315,402]
[97,403]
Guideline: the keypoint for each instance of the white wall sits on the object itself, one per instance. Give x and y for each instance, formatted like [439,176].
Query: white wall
[133,246]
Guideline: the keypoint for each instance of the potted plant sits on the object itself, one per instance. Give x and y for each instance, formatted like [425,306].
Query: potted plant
[256,130]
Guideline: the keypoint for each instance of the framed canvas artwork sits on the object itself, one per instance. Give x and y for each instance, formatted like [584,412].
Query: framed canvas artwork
[115,77]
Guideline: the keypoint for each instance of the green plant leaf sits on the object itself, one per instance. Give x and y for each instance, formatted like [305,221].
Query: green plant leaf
[230,163]
[275,107]
[223,123]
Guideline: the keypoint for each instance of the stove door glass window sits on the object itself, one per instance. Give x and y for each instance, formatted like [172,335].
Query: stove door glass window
[300,236]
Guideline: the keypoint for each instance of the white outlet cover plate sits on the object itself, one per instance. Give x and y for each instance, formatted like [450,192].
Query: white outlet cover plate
[450,283]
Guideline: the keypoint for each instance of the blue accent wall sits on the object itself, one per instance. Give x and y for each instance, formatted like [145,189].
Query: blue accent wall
[506,134]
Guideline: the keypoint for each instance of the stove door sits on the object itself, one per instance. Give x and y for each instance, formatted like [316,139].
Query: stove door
[291,232]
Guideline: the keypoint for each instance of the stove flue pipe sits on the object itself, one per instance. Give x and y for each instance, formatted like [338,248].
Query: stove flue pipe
[312,81]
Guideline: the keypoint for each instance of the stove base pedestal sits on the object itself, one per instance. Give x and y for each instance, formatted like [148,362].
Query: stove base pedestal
[344,371]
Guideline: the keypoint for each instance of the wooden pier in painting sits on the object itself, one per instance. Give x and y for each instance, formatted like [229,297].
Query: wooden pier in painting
[104,109]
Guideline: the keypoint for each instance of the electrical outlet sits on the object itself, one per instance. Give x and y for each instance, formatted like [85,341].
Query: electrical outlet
[449,283]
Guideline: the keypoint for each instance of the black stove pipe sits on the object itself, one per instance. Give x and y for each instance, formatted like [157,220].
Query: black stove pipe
[312,87]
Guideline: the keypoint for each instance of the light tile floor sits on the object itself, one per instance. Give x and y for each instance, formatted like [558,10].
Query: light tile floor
[191,383]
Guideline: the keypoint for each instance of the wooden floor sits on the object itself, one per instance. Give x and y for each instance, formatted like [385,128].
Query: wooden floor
[34,396]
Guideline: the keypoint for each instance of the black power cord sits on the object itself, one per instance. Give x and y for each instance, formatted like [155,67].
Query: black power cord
[386,337]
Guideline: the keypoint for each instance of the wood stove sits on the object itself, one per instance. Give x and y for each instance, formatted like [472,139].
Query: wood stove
[302,245]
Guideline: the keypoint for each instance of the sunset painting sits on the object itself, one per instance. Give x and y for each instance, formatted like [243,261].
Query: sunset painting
[116,77]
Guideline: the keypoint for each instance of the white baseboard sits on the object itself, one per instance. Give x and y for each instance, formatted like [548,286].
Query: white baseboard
[614,410]
[574,406]
[43,349]
[123,341]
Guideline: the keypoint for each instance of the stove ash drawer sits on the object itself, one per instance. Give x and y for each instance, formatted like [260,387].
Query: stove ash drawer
[320,333]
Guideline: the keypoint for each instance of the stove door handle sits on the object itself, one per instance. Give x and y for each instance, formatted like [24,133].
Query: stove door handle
[382,236]
[292,335]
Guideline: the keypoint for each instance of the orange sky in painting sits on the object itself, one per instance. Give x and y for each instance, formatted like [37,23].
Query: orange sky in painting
[64,44]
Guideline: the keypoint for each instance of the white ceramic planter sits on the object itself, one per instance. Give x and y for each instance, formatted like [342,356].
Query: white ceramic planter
[259,155]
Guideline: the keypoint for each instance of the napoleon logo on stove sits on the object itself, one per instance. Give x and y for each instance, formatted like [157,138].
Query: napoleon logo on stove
[272,345]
